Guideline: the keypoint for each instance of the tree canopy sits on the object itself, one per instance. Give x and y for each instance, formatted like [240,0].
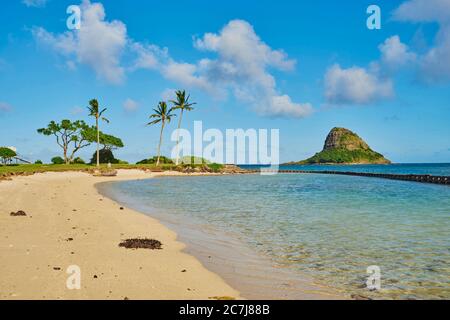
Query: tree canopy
[6,154]
[73,136]
[70,136]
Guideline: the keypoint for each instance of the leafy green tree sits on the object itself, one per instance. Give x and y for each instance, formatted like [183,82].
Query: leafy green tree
[70,136]
[57,160]
[107,141]
[110,142]
[181,103]
[38,162]
[6,154]
[162,114]
[94,111]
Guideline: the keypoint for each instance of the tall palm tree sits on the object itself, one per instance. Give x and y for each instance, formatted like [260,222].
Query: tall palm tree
[94,112]
[162,114]
[182,103]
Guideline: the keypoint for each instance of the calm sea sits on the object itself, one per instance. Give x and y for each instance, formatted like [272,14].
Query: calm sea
[329,227]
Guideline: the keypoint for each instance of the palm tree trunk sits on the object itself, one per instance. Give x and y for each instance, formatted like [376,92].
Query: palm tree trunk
[98,142]
[178,136]
[160,142]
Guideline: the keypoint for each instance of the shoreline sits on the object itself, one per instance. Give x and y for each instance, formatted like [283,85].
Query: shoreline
[255,276]
[69,223]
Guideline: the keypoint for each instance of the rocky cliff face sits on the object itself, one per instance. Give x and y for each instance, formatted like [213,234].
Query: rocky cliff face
[341,138]
[343,146]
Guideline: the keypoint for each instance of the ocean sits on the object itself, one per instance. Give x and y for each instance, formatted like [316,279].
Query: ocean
[330,228]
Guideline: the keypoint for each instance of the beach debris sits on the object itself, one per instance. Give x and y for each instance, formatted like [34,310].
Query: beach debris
[222,298]
[184,270]
[95,276]
[104,172]
[56,268]
[19,213]
[121,208]
[126,298]
[141,244]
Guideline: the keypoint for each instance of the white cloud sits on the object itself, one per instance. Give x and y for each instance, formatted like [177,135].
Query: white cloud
[35,3]
[435,63]
[186,74]
[355,85]
[98,44]
[242,65]
[423,11]
[394,53]
[149,56]
[5,107]
[130,105]
[283,105]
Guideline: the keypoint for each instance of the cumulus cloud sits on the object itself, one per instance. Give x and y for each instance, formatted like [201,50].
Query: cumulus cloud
[435,63]
[129,105]
[187,75]
[148,56]
[98,44]
[423,11]
[242,65]
[355,85]
[35,3]
[394,53]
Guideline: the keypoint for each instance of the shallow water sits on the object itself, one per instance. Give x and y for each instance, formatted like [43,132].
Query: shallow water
[328,227]
[436,169]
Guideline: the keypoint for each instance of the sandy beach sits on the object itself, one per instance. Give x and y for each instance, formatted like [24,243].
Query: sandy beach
[69,223]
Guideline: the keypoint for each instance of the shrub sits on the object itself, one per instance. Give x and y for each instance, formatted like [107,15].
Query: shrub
[38,162]
[215,167]
[105,155]
[193,160]
[78,160]
[162,160]
[57,160]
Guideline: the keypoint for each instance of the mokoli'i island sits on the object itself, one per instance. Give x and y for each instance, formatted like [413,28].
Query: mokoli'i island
[342,146]
[224,150]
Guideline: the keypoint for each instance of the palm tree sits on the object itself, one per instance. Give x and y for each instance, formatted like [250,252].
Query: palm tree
[94,112]
[182,103]
[162,114]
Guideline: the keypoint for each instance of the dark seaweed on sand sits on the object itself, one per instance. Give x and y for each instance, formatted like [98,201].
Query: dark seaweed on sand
[141,244]
[19,213]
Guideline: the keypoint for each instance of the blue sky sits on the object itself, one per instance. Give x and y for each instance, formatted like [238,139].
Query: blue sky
[298,66]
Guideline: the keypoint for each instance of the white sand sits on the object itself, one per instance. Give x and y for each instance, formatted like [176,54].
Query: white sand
[60,206]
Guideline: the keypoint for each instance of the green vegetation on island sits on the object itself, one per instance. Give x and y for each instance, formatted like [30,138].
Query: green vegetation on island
[343,146]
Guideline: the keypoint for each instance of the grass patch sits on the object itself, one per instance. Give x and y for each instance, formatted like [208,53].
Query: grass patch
[7,170]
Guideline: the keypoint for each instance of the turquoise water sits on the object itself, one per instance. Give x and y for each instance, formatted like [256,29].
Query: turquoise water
[329,227]
[437,169]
